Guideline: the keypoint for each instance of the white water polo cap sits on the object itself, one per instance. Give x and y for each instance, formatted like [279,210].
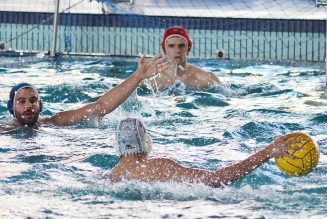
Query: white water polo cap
[132,137]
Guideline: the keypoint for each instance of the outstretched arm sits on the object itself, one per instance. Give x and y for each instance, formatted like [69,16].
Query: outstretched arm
[113,98]
[278,148]
[228,175]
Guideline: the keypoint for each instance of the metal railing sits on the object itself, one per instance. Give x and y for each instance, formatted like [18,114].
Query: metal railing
[321,3]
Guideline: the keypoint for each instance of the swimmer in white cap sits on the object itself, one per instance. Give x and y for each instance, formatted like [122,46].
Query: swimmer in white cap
[134,145]
[25,102]
[176,44]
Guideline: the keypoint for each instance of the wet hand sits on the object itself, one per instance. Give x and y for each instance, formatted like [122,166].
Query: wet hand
[153,66]
[283,146]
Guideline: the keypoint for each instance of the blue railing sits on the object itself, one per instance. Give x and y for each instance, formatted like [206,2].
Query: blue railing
[321,3]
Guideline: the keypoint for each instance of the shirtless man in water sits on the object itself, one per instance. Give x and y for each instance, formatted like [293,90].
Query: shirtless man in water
[134,144]
[176,44]
[25,103]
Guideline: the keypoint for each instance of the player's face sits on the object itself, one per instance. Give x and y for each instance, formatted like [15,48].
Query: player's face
[176,49]
[27,107]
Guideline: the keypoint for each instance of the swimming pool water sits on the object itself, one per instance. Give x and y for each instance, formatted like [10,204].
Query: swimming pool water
[56,172]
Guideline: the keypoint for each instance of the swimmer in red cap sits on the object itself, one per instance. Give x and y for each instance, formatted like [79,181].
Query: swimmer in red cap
[176,44]
[25,102]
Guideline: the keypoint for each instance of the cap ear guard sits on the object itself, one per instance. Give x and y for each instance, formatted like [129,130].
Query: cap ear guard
[10,106]
[148,144]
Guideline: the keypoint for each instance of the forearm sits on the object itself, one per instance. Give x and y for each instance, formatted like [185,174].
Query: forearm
[113,98]
[106,104]
[239,170]
[116,96]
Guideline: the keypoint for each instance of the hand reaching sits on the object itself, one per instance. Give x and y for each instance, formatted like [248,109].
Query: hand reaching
[281,145]
[153,66]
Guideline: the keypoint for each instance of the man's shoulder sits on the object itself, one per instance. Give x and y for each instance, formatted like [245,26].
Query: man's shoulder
[161,160]
[196,71]
[157,159]
[200,78]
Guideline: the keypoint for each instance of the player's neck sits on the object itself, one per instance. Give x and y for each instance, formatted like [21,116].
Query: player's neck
[132,158]
[181,70]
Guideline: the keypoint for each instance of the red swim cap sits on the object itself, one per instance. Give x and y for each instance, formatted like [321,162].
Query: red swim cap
[176,31]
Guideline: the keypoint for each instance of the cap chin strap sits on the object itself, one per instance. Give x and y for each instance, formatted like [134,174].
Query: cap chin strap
[148,144]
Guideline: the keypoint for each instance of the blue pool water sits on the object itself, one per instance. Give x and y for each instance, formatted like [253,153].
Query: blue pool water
[56,172]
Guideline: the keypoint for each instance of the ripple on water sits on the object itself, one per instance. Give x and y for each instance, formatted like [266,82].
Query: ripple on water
[51,168]
[3,108]
[38,158]
[103,160]
[65,93]
[262,130]
[199,142]
[207,99]
[302,73]
[187,106]
[184,114]
[319,118]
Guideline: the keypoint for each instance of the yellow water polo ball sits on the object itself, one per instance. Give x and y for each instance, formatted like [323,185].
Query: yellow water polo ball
[307,154]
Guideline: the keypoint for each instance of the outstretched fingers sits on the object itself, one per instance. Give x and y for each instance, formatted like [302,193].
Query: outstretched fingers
[294,144]
[288,145]
[160,63]
[155,58]
[289,155]
[163,66]
[283,145]
[153,66]
[141,60]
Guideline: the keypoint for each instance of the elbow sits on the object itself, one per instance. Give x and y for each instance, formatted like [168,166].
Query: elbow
[219,185]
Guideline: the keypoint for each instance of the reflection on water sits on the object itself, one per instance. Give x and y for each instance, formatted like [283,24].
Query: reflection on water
[59,171]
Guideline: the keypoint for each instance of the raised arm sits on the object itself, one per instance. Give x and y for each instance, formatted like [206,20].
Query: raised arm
[114,97]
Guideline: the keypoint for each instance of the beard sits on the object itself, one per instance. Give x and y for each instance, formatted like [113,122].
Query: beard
[27,118]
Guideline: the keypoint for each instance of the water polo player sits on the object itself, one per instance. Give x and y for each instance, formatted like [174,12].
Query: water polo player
[25,103]
[176,44]
[134,145]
